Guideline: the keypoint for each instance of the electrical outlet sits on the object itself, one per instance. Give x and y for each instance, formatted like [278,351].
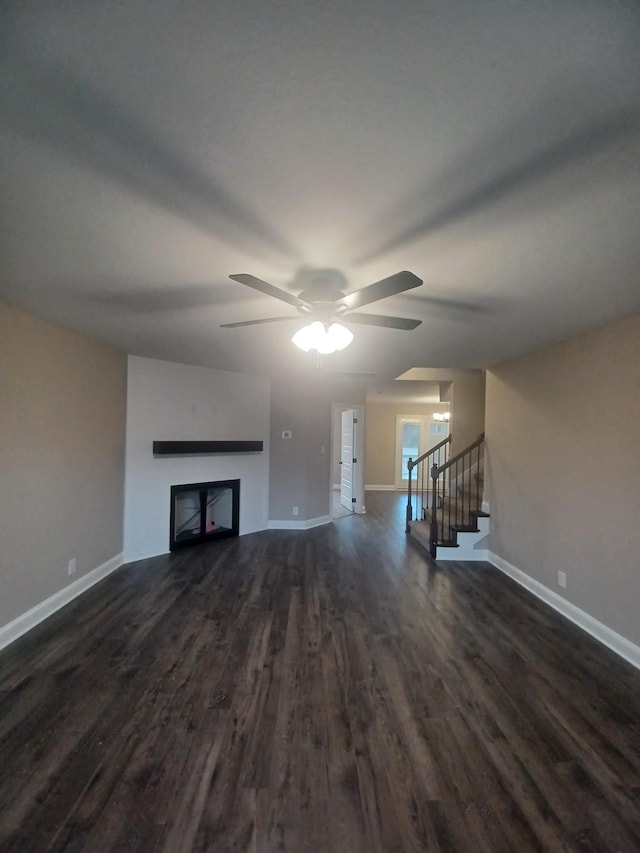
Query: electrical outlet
[562,580]
[295,510]
[72,566]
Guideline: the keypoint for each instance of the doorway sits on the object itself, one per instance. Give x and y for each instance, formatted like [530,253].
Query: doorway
[415,435]
[347,449]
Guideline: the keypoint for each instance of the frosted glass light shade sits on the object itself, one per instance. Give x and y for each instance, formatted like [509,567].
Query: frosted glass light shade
[324,339]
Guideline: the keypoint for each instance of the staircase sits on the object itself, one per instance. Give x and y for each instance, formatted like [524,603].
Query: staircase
[451,524]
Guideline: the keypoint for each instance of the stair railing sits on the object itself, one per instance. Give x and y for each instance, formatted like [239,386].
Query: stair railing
[456,511]
[436,455]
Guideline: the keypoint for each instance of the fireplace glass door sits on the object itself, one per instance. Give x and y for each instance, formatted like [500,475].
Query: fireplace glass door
[204,511]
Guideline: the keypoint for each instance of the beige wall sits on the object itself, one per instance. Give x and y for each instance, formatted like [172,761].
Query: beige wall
[380,438]
[466,396]
[563,460]
[301,468]
[62,432]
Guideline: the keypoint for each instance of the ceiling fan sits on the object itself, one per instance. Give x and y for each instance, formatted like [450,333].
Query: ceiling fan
[323,303]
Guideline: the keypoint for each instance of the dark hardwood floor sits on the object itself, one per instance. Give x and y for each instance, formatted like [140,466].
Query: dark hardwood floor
[327,690]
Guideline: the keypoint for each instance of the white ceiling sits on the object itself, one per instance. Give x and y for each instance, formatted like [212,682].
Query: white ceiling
[150,149]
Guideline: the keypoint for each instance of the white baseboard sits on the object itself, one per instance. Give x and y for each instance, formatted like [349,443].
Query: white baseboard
[19,626]
[307,524]
[598,630]
[382,489]
[455,555]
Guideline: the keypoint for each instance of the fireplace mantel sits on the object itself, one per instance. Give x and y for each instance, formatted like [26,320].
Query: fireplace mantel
[183,448]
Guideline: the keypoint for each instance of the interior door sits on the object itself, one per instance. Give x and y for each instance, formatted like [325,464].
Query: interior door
[347,459]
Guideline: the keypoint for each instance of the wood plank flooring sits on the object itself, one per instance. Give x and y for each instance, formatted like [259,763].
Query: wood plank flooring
[321,690]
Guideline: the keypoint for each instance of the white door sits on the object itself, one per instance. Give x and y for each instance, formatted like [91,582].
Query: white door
[346,459]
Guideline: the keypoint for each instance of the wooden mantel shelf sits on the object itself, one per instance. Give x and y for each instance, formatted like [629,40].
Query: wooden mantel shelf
[181,448]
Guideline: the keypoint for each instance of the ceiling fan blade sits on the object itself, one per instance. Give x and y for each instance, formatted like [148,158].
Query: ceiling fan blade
[381,320]
[256,322]
[390,286]
[270,290]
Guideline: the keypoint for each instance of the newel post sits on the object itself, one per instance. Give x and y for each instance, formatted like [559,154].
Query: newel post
[433,528]
[407,528]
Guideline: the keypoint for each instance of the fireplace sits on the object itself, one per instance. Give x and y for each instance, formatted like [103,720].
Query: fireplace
[201,512]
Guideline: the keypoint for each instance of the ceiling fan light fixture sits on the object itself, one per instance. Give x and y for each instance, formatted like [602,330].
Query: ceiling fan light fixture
[324,339]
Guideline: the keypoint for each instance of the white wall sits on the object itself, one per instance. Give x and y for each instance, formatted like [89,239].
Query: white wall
[176,402]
